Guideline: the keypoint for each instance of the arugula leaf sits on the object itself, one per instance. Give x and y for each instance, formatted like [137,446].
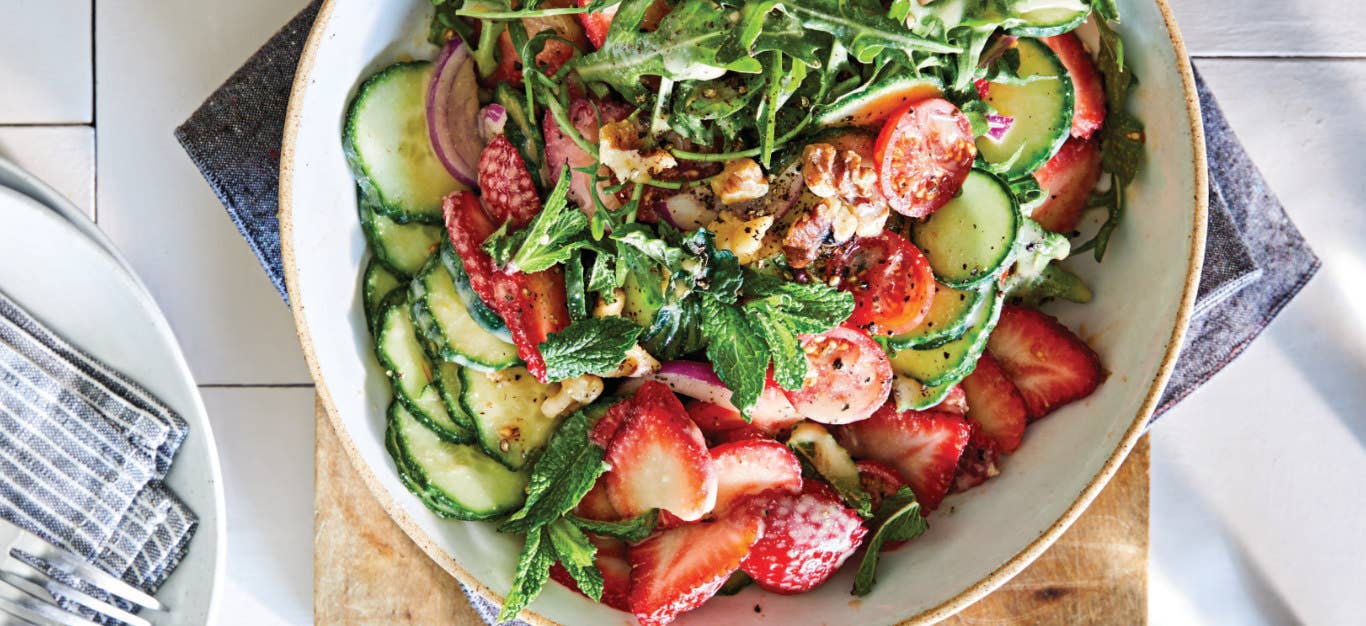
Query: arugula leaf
[596,345]
[1054,281]
[631,529]
[1121,138]
[737,353]
[862,27]
[576,553]
[789,360]
[898,519]
[533,569]
[640,239]
[565,471]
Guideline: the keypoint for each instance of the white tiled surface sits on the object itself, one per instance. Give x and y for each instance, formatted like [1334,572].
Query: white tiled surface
[1256,514]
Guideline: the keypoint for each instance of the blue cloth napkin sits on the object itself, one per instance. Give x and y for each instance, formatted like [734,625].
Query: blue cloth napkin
[1255,258]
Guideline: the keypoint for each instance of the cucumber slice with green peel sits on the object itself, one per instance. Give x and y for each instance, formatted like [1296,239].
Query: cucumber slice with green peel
[448,385]
[455,480]
[969,240]
[956,359]
[403,248]
[1041,109]
[388,147]
[949,317]
[872,105]
[506,408]
[379,281]
[485,316]
[816,447]
[450,331]
[402,356]
[912,395]
[1047,18]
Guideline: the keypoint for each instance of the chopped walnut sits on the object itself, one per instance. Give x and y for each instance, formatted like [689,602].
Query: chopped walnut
[619,147]
[743,237]
[610,308]
[638,363]
[571,394]
[742,180]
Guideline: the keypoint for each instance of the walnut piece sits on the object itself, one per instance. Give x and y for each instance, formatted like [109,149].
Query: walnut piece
[620,146]
[742,180]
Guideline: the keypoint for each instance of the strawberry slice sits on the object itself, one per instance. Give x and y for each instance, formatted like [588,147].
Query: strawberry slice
[505,185]
[880,480]
[595,504]
[532,305]
[978,462]
[713,418]
[753,466]
[1068,178]
[807,537]
[1088,91]
[723,424]
[955,402]
[923,446]
[616,572]
[560,149]
[1048,364]
[995,404]
[596,23]
[676,570]
[659,459]
[554,55]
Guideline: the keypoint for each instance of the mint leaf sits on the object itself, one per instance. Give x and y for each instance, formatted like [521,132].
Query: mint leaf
[736,351]
[722,276]
[595,345]
[533,568]
[641,240]
[550,238]
[577,554]
[789,360]
[630,530]
[565,471]
[502,245]
[809,308]
[898,519]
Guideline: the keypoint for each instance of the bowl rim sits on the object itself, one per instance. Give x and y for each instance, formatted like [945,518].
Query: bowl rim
[945,609]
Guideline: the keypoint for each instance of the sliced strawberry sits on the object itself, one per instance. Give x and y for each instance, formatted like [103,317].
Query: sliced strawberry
[923,446]
[1088,92]
[532,305]
[596,23]
[505,185]
[753,466]
[806,538]
[983,88]
[659,459]
[554,55]
[607,426]
[880,480]
[744,433]
[595,504]
[616,572]
[1048,364]
[955,402]
[560,149]
[995,404]
[676,570]
[713,418]
[1068,178]
[978,462]
[722,423]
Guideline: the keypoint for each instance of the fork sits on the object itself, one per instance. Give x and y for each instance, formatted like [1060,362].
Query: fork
[30,595]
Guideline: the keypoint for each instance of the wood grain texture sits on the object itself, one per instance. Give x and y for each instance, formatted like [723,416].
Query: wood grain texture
[367,571]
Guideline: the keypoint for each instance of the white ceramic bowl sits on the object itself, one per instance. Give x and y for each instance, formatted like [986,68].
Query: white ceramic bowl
[1144,292]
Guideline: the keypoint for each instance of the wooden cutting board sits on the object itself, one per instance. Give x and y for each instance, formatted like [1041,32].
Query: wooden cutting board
[367,571]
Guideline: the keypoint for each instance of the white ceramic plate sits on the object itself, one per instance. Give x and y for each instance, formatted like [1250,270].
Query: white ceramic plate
[81,290]
[979,539]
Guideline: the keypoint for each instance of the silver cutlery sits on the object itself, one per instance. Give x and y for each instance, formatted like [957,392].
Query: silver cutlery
[30,595]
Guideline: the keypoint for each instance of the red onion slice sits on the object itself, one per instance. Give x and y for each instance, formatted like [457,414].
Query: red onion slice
[998,126]
[697,380]
[453,113]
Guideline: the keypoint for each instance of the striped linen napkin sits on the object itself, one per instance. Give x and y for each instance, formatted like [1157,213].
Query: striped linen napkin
[83,451]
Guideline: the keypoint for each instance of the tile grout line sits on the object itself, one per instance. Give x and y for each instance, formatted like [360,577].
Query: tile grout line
[94,117]
[1312,58]
[256,386]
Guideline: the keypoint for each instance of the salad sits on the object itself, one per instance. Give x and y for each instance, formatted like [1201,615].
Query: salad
[699,294]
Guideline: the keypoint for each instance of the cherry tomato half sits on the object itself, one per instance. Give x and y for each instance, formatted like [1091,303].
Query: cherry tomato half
[922,156]
[892,284]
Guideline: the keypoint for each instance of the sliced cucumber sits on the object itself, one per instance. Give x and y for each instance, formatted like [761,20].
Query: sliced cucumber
[872,105]
[1041,108]
[412,374]
[912,395]
[949,317]
[506,408]
[485,316]
[448,385]
[1047,18]
[449,329]
[955,359]
[387,145]
[377,284]
[403,248]
[817,447]
[969,240]
[455,480]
